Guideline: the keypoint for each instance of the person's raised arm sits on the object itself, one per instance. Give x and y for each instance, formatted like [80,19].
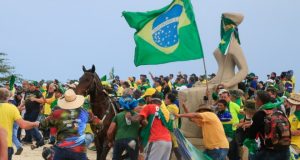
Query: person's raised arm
[152,77]
[185,108]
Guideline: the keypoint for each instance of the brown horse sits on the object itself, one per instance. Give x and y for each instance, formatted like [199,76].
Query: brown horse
[102,106]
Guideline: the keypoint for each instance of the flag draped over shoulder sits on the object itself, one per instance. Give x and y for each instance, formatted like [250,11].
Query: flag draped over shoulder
[165,35]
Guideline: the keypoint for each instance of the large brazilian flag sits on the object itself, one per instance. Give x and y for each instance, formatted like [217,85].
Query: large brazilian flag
[165,35]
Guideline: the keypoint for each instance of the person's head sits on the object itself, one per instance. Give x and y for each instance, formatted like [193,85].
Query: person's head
[294,101]
[149,94]
[70,100]
[171,76]
[272,92]
[25,85]
[249,108]
[157,83]
[170,99]
[286,103]
[4,95]
[58,93]
[283,76]
[137,94]
[181,81]
[273,75]
[33,85]
[143,78]
[222,104]
[131,79]
[262,97]
[260,84]
[166,80]
[128,102]
[224,94]
[204,109]
[125,85]
[192,80]
[219,87]
[52,87]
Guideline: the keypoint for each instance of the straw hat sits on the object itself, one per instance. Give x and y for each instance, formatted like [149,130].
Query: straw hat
[294,99]
[70,100]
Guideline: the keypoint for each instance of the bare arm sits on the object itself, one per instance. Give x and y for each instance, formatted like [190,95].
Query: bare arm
[296,133]
[3,144]
[136,118]
[185,108]
[26,124]
[39,100]
[111,130]
[152,77]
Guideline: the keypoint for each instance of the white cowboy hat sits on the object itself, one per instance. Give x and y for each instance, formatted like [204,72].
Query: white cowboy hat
[70,100]
[294,99]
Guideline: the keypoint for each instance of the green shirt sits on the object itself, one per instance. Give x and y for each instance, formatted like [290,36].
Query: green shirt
[124,130]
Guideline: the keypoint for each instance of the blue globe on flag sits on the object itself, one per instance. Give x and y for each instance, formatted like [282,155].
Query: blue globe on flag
[165,27]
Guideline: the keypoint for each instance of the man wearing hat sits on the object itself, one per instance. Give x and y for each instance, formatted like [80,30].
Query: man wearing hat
[294,119]
[70,121]
[156,132]
[33,105]
[214,138]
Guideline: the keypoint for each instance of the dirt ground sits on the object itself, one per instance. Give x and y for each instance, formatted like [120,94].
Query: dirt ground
[36,154]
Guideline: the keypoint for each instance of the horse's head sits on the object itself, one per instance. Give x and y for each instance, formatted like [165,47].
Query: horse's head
[88,82]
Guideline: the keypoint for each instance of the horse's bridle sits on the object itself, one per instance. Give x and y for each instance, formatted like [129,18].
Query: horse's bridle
[91,86]
[88,91]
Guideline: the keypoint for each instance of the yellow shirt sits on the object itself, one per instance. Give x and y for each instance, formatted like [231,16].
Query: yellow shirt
[158,88]
[295,125]
[212,129]
[174,110]
[47,106]
[170,85]
[234,110]
[8,115]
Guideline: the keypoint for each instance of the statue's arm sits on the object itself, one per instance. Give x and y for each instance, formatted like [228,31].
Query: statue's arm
[241,63]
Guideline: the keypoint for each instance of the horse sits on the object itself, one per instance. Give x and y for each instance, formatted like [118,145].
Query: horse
[102,106]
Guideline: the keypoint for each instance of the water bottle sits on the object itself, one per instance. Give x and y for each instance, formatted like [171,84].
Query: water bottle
[128,122]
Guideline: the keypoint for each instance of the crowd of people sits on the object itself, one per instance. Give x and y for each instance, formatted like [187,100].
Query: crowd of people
[258,120]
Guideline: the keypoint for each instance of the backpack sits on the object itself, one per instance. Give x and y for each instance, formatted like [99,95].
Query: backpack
[277,129]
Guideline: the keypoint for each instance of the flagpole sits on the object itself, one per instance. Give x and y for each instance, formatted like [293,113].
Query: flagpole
[205,71]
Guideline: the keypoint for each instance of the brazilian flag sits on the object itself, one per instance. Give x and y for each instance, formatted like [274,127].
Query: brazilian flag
[165,35]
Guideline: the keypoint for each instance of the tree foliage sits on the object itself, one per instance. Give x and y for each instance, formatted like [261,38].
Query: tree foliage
[6,70]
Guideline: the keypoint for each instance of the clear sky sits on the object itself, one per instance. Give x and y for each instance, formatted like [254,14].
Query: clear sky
[52,39]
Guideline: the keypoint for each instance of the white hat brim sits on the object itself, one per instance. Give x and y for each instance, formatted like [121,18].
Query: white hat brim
[78,102]
[294,102]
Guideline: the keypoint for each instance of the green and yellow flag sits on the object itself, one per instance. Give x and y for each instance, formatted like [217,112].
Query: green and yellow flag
[165,35]
[228,27]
